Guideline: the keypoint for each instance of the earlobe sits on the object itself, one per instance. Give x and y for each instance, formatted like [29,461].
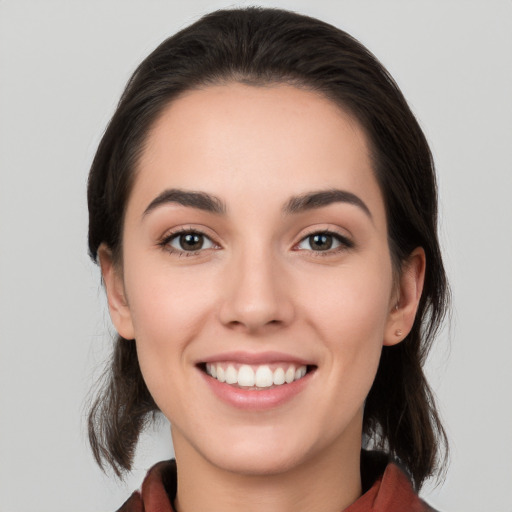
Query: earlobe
[117,304]
[405,303]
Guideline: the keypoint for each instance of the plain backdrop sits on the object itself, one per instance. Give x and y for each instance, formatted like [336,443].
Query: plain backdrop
[63,65]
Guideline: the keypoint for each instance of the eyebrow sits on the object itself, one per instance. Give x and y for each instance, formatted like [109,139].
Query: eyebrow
[200,200]
[313,200]
[296,204]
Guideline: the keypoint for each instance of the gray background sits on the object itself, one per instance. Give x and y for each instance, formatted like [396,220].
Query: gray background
[63,65]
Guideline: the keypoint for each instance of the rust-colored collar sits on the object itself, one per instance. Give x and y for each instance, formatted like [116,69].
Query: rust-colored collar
[391,491]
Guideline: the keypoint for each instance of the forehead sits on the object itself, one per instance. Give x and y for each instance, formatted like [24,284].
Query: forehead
[225,139]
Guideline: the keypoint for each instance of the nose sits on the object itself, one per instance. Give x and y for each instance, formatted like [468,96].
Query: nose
[258,293]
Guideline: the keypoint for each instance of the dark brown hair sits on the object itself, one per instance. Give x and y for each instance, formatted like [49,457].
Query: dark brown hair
[261,46]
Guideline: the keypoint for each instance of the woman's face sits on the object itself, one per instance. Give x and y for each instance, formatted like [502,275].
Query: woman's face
[254,250]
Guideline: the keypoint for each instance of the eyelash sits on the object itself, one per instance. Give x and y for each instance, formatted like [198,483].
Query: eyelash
[344,242]
[166,241]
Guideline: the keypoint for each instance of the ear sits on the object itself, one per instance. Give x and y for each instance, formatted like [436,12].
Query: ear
[117,304]
[406,299]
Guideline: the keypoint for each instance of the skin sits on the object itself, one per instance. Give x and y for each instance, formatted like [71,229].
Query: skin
[258,285]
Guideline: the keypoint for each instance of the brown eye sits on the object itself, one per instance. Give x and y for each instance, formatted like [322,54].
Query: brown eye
[320,242]
[324,241]
[190,241]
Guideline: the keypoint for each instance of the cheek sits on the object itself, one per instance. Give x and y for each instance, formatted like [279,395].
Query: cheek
[356,299]
[351,314]
[163,300]
[168,309]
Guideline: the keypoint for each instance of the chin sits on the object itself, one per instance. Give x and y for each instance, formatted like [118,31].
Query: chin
[259,452]
[247,450]
[258,462]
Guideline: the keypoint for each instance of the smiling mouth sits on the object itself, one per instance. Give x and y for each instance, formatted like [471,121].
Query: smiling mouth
[256,377]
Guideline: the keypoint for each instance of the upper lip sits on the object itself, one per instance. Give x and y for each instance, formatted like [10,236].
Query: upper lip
[255,358]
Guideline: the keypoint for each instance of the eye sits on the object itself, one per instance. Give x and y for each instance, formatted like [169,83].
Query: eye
[324,241]
[188,241]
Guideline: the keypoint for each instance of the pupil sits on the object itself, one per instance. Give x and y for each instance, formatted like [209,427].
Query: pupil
[321,242]
[191,241]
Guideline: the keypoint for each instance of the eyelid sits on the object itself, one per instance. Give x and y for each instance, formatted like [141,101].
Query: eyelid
[177,237]
[164,241]
[345,243]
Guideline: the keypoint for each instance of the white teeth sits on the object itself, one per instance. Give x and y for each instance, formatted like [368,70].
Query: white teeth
[264,377]
[289,376]
[300,372]
[258,376]
[246,376]
[211,369]
[231,375]
[279,377]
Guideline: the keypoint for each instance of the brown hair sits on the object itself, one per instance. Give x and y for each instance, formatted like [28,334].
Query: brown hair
[260,46]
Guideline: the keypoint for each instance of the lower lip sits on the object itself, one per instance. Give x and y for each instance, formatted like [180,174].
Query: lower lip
[251,399]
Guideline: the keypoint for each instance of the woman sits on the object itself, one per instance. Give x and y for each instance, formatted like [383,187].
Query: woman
[263,207]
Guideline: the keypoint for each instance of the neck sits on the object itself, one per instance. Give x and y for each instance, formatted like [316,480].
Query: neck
[328,483]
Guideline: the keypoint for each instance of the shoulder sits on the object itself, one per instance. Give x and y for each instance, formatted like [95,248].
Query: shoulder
[386,487]
[157,492]
[132,504]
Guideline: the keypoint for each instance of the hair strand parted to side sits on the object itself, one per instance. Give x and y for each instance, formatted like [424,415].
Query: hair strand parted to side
[121,409]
